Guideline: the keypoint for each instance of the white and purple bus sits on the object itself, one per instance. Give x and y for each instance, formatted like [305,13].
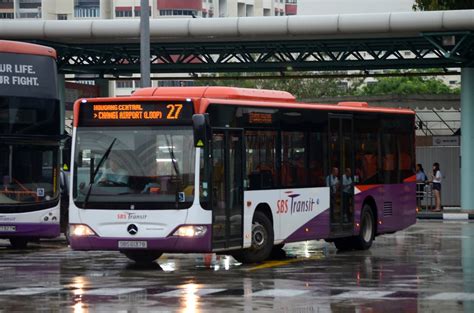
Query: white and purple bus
[29,143]
[236,171]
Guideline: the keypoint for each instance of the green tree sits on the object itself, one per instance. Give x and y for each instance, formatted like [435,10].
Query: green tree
[406,85]
[432,5]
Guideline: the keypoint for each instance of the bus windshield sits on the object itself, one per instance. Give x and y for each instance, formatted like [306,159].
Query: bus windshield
[28,174]
[134,168]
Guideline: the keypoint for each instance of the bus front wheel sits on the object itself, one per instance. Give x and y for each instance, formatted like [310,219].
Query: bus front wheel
[262,241]
[142,256]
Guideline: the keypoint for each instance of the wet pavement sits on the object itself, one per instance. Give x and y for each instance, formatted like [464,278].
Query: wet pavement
[427,268]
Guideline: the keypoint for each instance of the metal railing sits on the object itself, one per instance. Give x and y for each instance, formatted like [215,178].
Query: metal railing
[424,197]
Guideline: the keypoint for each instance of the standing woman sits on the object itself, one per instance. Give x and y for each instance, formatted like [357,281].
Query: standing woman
[436,179]
[421,179]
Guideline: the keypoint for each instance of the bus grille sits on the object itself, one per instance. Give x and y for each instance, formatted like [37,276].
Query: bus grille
[387,209]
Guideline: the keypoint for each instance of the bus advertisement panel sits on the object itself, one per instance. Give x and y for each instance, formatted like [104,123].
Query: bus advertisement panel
[237,171]
[29,145]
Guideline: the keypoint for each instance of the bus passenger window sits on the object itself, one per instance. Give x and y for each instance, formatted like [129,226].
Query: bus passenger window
[317,159]
[261,160]
[293,157]
[389,159]
[366,158]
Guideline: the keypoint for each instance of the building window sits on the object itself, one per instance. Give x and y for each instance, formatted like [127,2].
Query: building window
[178,12]
[121,84]
[87,12]
[175,83]
[62,17]
[30,4]
[29,15]
[122,12]
[6,15]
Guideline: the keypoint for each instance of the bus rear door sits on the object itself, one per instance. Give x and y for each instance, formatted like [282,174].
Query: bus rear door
[341,160]
[227,172]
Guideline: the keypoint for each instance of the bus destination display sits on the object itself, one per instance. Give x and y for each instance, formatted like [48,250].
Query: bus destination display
[134,113]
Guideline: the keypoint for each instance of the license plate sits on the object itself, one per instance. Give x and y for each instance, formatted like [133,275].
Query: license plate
[133,244]
[10,229]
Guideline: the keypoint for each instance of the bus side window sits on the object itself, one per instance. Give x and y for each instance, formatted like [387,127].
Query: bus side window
[261,159]
[317,159]
[366,150]
[293,157]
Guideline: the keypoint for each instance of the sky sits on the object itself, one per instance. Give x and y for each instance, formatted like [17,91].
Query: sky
[308,7]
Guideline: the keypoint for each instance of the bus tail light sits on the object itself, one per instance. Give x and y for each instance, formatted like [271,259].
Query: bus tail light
[81,230]
[190,231]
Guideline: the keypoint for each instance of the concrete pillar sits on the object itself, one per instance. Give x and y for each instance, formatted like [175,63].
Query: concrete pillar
[467,138]
[103,87]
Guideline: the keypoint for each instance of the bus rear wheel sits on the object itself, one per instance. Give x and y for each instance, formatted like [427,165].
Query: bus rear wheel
[18,243]
[364,240]
[142,256]
[262,241]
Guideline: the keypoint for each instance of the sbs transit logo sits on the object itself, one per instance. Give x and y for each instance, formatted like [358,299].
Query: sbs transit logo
[295,205]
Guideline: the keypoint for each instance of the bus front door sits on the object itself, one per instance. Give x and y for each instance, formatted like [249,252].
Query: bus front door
[341,173]
[227,188]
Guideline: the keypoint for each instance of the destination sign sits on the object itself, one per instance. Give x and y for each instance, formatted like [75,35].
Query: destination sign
[140,113]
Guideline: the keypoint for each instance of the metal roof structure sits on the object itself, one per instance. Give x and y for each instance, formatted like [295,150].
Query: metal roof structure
[438,122]
[271,44]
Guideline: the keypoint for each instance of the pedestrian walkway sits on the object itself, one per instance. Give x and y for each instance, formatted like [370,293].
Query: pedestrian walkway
[448,213]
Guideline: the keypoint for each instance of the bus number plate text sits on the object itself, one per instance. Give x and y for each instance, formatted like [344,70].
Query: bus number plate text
[10,229]
[133,244]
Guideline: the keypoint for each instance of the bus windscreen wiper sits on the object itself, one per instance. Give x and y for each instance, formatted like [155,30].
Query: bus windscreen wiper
[96,170]
[169,142]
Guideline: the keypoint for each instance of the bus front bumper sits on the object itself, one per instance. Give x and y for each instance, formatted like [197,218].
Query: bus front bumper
[29,230]
[168,244]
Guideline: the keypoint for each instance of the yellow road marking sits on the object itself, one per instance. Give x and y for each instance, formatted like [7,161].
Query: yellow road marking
[270,264]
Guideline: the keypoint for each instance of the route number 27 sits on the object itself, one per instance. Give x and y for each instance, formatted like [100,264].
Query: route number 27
[174,111]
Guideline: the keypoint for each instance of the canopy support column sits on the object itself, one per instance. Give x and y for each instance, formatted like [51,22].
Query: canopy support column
[467,138]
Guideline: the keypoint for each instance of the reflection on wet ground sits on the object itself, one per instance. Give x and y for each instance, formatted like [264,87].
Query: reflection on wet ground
[429,267]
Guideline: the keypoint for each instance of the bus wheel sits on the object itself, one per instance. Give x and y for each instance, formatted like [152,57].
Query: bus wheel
[18,243]
[262,241]
[142,256]
[364,240]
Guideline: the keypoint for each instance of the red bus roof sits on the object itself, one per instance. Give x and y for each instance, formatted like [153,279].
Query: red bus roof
[255,97]
[26,48]
[218,93]
[204,96]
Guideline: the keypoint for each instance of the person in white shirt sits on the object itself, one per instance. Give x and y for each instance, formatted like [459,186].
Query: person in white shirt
[332,180]
[436,179]
[113,175]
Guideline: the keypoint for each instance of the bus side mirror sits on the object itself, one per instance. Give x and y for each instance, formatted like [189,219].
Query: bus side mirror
[202,130]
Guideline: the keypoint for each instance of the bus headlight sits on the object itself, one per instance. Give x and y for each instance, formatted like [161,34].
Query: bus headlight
[81,230]
[190,231]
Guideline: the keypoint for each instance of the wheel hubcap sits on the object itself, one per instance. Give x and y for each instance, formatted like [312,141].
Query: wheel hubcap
[259,236]
[367,231]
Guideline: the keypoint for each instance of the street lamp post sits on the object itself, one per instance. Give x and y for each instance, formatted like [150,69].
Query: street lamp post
[145,44]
